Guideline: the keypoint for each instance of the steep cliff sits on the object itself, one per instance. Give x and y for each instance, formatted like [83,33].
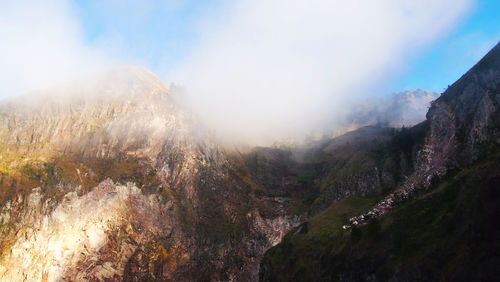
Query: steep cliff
[440,223]
[110,178]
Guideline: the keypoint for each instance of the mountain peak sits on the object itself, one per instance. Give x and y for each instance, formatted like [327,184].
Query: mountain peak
[121,109]
[125,82]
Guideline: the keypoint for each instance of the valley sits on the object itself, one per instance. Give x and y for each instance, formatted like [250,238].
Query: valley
[117,181]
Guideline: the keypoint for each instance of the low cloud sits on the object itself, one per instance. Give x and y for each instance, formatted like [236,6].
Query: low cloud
[260,70]
[42,44]
[273,68]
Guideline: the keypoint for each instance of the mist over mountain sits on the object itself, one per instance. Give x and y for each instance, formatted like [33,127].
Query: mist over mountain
[249,140]
[114,178]
[437,219]
[109,178]
[405,108]
[400,109]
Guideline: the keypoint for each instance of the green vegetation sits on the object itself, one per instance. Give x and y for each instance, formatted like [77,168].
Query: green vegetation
[299,251]
[370,161]
[31,172]
[21,172]
[450,233]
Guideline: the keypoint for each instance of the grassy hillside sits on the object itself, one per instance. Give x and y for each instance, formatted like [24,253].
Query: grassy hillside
[450,233]
[369,162]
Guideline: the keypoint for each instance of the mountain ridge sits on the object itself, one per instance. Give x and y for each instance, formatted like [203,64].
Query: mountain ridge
[138,153]
[128,185]
[433,226]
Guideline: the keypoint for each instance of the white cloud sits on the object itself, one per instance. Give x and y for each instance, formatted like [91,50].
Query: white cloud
[41,45]
[271,67]
[262,67]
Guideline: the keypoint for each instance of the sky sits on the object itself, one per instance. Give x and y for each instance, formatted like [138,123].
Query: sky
[251,66]
[161,33]
[447,59]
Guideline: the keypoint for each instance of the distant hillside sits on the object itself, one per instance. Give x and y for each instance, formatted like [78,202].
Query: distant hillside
[398,109]
[439,223]
[111,179]
[406,108]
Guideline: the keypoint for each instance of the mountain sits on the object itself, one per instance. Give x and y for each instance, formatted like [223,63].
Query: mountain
[406,108]
[439,222]
[400,109]
[109,178]
[112,178]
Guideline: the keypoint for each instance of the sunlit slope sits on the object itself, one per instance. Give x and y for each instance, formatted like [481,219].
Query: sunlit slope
[111,178]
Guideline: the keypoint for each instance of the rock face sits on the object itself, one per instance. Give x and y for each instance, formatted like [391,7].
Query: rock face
[467,115]
[463,123]
[459,152]
[110,179]
[370,161]
[126,110]
[75,234]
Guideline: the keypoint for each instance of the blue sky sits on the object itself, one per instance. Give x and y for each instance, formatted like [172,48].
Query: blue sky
[251,67]
[159,33]
[163,33]
[451,56]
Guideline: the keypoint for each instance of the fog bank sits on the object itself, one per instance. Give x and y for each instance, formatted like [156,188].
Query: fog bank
[276,68]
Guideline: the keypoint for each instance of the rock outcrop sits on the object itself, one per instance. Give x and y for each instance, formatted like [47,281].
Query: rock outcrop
[463,123]
[112,179]
[432,235]
[466,116]
[127,186]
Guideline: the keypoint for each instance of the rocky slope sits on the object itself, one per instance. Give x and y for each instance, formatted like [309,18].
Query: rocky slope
[445,233]
[110,179]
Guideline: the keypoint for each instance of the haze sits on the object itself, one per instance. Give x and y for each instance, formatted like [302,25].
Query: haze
[254,70]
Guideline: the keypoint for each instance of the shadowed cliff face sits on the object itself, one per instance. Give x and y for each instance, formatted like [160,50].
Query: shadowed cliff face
[110,179]
[439,223]
[466,118]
